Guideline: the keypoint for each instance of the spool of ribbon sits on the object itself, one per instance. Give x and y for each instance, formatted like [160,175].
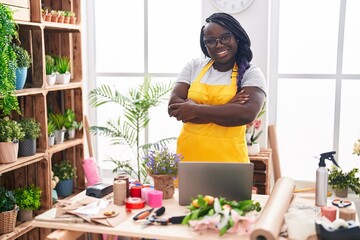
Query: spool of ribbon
[120,191]
[134,203]
[155,198]
[329,212]
[135,191]
[145,193]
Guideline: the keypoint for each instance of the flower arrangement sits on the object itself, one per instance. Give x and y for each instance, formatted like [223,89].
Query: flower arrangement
[252,129]
[161,161]
[207,212]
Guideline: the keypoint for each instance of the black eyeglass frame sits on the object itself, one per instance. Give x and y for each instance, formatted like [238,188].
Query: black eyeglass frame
[217,40]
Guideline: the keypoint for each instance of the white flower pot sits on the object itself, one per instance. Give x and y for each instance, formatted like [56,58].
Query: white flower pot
[63,78]
[253,148]
[59,136]
[51,79]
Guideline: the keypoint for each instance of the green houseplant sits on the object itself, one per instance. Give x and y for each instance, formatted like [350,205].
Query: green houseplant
[51,133]
[23,61]
[135,105]
[11,133]
[8,210]
[66,173]
[28,198]
[50,70]
[339,181]
[8,102]
[62,65]
[71,124]
[58,120]
[31,128]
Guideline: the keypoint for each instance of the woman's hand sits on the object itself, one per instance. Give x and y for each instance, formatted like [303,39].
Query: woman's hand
[240,98]
[183,111]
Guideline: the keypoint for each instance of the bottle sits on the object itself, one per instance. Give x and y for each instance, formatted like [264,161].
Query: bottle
[322,178]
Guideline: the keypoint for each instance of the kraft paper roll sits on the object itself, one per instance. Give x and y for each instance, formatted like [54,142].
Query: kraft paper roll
[269,224]
[120,192]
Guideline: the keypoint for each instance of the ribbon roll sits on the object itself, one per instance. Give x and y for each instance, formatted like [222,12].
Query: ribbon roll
[134,203]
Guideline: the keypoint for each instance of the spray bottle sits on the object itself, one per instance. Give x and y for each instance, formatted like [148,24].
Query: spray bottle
[322,178]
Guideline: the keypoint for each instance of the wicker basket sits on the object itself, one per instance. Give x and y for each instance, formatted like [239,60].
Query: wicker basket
[8,220]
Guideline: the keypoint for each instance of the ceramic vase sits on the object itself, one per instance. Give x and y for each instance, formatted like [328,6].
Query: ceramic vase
[164,183]
[64,188]
[253,148]
[8,152]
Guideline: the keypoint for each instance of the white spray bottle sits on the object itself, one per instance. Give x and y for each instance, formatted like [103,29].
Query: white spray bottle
[322,178]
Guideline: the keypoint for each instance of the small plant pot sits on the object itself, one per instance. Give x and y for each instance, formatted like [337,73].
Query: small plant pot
[25,215]
[253,148]
[48,17]
[21,74]
[343,193]
[70,134]
[27,147]
[51,79]
[8,152]
[51,140]
[63,78]
[72,20]
[64,188]
[59,136]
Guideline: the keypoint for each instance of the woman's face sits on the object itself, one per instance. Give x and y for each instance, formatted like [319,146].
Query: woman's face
[220,43]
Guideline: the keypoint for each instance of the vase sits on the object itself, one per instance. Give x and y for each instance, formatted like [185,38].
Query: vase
[64,188]
[253,148]
[25,215]
[27,147]
[343,193]
[21,74]
[164,183]
[8,152]
[59,136]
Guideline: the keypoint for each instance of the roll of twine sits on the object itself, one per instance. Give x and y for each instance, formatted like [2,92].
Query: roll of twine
[120,192]
[126,178]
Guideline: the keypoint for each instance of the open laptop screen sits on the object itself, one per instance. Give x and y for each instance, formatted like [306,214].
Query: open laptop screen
[231,180]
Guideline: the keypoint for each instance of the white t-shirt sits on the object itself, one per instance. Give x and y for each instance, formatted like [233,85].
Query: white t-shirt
[253,76]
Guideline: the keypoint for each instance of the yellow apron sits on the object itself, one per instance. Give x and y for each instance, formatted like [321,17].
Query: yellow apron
[212,142]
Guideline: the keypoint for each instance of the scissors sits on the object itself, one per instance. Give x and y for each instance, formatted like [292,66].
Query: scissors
[149,219]
[341,203]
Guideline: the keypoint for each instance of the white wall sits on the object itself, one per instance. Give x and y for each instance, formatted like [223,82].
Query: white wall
[255,21]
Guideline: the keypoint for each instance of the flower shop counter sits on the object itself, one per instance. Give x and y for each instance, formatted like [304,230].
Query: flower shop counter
[281,199]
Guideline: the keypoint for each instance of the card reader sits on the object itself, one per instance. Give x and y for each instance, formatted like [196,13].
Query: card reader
[99,190]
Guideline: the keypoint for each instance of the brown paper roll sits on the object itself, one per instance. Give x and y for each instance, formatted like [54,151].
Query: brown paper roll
[119,189]
[269,224]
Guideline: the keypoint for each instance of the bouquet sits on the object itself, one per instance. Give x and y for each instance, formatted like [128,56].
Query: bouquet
[207,212]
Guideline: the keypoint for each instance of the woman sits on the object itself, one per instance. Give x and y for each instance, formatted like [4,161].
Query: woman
[217,96]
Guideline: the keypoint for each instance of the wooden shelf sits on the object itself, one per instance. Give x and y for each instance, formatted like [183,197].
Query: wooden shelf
[67,144]
[21,162]
[18,231]
[71,85]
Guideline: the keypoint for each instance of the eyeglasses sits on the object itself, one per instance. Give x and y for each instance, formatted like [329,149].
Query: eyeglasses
[223,39]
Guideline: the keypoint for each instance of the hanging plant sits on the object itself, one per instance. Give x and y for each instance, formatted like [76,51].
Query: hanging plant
[8,65]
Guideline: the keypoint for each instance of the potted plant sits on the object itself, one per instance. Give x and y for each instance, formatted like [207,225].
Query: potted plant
[8,211]
[341,181]
[67,16]
[253,133]
[28,199]
[54,15]
[66,173]
[59,122]
[135,105]
[31,128]
[51,133]
[72,18]
[71,124]
[61,16]
[23,61]
[8,33]
[63,70]
[162,165]
[11,133]
[50,70]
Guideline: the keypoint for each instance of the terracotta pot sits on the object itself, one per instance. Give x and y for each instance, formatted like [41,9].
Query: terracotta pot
[164,183]
[8,152]
[72,20]
[66,19]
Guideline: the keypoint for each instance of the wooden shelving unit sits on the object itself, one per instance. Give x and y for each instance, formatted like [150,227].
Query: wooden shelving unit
[40,38]
[262,170]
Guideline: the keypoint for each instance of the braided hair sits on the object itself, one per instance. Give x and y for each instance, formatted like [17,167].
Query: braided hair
[244,54]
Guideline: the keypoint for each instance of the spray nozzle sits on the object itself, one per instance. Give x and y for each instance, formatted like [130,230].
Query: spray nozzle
[327,156]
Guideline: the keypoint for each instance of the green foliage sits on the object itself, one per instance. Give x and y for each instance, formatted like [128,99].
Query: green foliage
[51,127]
[135,106]
[62,64]
[64,170]
[8,101]
[58,120]
[10,130]
[22,56]
[49,64]
[7,200]
[340,180]
[28,198]
[31,128]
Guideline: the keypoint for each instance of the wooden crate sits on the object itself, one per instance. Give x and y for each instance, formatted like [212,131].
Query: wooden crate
[262,171]
[21,9]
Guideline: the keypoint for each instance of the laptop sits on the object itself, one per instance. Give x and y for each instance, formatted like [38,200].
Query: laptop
[231,180]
